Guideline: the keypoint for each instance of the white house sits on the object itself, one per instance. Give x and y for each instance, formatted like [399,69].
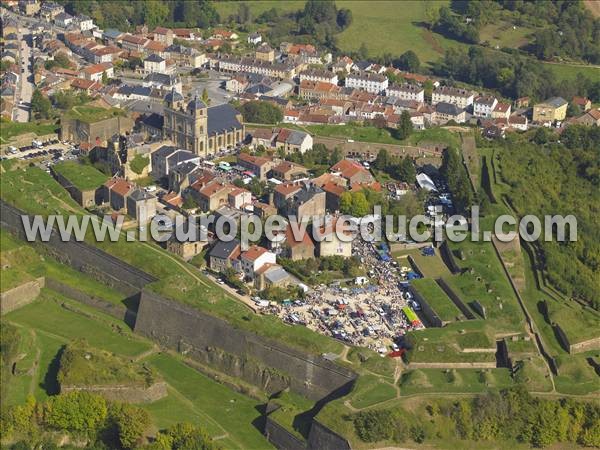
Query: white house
[484,105]
[254,38]
[63,20]
[157,64]
[455,96]
[370,82]
[318,75]
[84,23]
[254,258]
[95,71]
[407,92]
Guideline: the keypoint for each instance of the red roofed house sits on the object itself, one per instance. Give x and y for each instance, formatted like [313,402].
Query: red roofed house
[302,248]
[289,171]
[501,111]
[239,197]
[285,191]
[163,35]
[86,86]
[95,71]
[583,103]
[254,258]
[353,171]
[115,192]
[259,165]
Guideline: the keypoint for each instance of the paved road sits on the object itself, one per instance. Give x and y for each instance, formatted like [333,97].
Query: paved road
[21,111]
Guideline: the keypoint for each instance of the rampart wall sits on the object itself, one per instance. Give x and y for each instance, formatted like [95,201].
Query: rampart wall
[20,296]
[241,354]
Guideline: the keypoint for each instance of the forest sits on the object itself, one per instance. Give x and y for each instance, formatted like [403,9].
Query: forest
[560,175]
[507,415]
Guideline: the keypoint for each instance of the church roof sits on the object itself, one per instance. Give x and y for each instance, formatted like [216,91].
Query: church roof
[196,104]
[222,117]
[173,96]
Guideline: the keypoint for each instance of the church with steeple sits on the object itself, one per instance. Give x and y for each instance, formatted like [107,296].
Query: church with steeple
[191,125]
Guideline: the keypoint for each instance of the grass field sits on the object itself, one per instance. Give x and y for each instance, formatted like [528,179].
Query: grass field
[371,390]
[361,133]
[92,113]
[378,25]
[569,72]
[437,299]
[21,262]
[440,345]
[576,376]
[485,281]
[428,266]
[375,23]
[222,411]
[453,380]
[10,129]
[47,327]
[84,177]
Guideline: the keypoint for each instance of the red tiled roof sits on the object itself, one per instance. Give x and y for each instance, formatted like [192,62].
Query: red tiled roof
[333,188]
[348,168]
[254,160]
[119,185]
[286,189]
[254,253]
[502,107]
[291,240]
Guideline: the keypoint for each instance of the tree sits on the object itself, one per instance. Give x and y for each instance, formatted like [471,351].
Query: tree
[205,97]
[104,78]
[40,105]
[409,61]
[360,204]
[344,18]
[77,411]
[406,170]
[131,422]
[363,51]
[185,436]
[405,127]
[257,111]
[155,12]
[458,180]
[336,156]
[432,14]
[346,203]
[244,15]
[382,161]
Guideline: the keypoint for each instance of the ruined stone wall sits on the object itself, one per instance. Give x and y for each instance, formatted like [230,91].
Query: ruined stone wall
[257,360]
[20,296]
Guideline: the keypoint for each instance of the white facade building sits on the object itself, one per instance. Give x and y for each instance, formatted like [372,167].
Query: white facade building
[407,92]
[318,75]
[455,96]
[484,105]
[370,82]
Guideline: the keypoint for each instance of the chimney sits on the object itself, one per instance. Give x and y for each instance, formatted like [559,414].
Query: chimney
[271,199]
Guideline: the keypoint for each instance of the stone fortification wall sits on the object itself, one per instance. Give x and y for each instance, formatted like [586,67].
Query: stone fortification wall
[257,360]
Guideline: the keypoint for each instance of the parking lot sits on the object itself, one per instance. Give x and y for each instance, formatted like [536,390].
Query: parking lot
[44,153]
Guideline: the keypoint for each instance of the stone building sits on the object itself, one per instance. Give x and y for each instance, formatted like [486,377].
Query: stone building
[195,127]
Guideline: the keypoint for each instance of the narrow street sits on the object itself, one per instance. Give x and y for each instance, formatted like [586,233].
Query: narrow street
[22,109]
